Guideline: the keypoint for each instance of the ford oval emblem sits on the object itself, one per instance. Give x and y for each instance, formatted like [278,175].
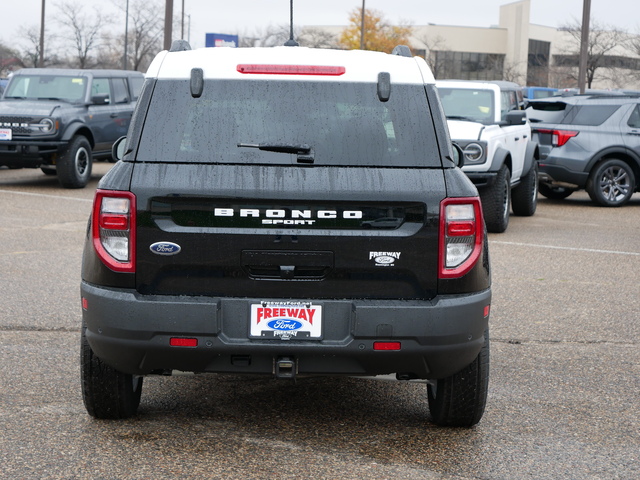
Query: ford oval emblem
[384,259]
[285,325]
[165,248]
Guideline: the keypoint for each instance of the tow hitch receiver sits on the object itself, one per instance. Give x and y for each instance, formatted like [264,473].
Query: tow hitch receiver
[285,367]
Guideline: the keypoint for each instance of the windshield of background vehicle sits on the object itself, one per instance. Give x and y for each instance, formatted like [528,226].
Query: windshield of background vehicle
[468,104]
[47,87]
[339,123]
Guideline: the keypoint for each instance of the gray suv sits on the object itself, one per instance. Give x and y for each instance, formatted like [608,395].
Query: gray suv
[588,142]
[58,120]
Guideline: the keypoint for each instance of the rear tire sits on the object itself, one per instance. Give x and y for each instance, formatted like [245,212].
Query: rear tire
[460,400]
[611,183]
[107,393]
[74,167]
[524,198]
[495,202]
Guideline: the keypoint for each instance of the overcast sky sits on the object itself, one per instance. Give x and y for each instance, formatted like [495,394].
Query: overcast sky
[247,16]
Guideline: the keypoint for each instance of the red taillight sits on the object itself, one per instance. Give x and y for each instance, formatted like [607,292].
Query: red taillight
[558,137]
[291,69]
[386,345]
[461,236]
[113,229]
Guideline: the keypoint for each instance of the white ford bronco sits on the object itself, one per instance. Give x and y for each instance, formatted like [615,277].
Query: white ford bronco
[485,119]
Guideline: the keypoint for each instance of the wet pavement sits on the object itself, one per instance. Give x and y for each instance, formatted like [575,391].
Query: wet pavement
[563,398]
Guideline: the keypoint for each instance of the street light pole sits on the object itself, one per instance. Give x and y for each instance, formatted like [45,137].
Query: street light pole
[41,59]
[584,45]
[182,29]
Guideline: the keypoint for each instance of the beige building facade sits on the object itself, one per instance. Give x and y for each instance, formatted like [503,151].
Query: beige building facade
[528,54]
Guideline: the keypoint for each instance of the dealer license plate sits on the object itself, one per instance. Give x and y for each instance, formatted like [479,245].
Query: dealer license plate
[286,320]
[5,134]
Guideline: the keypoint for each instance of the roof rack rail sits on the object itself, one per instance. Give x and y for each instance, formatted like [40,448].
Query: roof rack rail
[179,46]
[402,50]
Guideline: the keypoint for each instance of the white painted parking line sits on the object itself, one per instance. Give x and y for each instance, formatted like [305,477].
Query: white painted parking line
[553,247]
[13,192]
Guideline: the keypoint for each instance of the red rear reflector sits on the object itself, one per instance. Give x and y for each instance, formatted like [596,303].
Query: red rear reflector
[114,222]
[85,303]
[291,69]
[386,345]
[183,342]
[487,309]
[461,229]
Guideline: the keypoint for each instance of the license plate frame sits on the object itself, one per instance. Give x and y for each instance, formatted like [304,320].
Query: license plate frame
[5,134]
[285,320]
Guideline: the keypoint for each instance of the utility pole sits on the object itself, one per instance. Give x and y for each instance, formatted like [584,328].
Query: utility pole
[126,36]
[168,21]
[362,28]
[584,46]
[41,59]
[182,22]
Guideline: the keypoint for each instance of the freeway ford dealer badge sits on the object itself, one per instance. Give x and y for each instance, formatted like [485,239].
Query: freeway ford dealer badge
[286,320]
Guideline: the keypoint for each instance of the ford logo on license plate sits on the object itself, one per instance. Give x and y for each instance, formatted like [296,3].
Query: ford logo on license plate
[285,325]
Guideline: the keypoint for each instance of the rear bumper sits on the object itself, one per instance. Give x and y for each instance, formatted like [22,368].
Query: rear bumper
[131,332]
[552,172]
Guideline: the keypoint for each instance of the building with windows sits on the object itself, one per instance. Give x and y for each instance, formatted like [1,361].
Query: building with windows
[528,54]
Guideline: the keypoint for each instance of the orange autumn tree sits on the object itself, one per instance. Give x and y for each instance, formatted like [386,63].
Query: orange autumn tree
[378,34]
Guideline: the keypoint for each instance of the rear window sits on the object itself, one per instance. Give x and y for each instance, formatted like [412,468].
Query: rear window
[342,123]
[592,115]
[560,112]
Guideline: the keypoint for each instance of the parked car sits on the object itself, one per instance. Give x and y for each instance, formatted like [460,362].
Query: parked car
[487,121]
[3,85]
[59,120]
[232,237]
[588,142]
[534,93]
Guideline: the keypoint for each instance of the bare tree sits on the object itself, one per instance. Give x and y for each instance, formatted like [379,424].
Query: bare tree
[433,45]
[145,33]
[83,31]
[9,59]
[317,38]
[31,52]
[603,40]
[633,44]
[512,72]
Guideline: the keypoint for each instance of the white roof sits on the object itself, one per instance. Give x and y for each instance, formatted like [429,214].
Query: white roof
[359,66]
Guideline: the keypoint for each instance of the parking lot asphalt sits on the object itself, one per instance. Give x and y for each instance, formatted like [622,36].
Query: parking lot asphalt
[563,398]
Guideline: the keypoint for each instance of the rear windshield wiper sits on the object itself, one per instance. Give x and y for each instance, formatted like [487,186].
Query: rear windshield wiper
[278,147]
[53,98]
[305,155]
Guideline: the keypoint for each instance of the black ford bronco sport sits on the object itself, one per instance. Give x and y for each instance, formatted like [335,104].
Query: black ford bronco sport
[289,212]
[59,120]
